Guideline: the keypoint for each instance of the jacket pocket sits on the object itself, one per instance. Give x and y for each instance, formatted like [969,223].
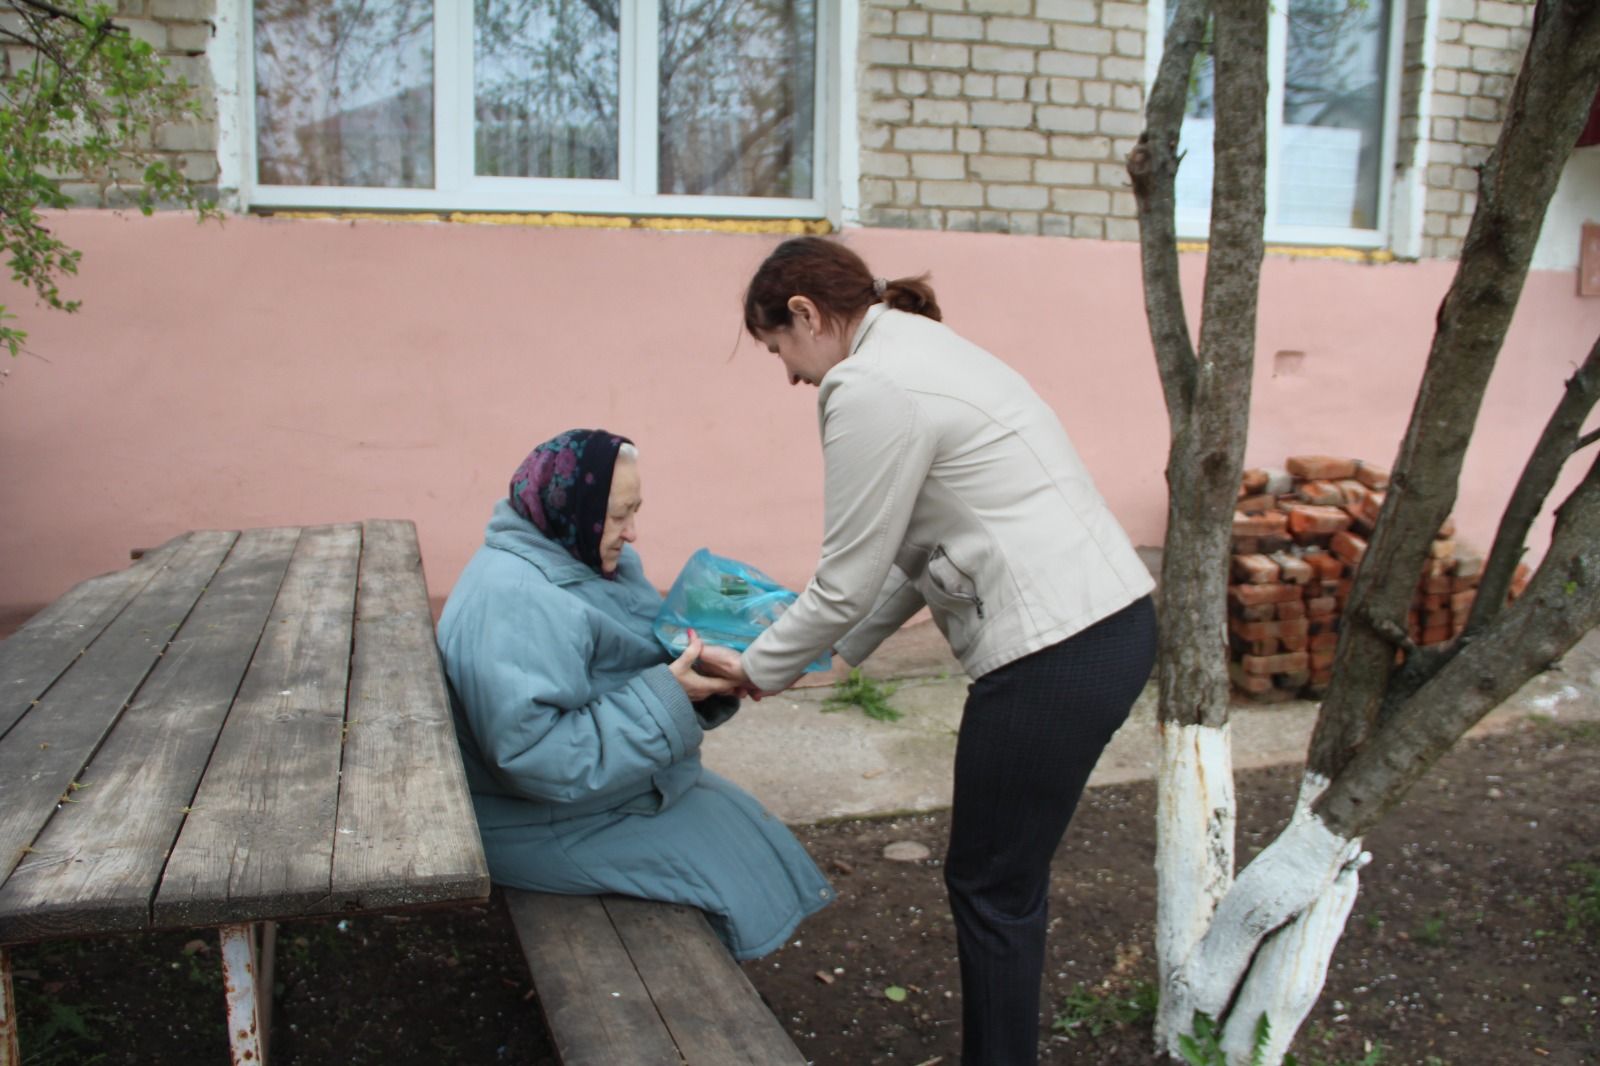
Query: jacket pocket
[952,582]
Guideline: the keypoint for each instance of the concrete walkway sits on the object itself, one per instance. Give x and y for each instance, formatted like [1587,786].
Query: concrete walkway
[808,765]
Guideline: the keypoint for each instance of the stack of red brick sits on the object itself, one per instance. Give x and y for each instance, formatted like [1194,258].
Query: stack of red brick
[1298,534]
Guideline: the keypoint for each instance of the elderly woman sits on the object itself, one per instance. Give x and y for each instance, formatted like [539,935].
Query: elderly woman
[581,736]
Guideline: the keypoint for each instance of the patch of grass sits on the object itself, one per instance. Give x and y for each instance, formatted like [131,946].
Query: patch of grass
[63,1032]
[1373,1056]
[1091,1011]
[1430,933]
[1583,906]
[1572,731]
[858,690]
[1202,1046]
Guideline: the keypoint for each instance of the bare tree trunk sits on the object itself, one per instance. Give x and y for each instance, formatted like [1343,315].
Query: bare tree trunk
[1255,947]
[1207,403]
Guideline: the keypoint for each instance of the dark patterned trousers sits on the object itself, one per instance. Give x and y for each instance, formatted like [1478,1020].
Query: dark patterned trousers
[1031,732]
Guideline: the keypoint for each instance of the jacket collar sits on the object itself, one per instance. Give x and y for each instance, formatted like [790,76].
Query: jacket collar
[510,532]
[874,313]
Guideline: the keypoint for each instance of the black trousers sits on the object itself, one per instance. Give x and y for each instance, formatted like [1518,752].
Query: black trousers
[1031,732]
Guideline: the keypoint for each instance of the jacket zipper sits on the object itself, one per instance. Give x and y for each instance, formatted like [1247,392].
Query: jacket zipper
[977,600]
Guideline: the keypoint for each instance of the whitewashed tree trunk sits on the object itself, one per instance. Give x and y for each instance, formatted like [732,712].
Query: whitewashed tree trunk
[1291,884]
[1240,946]
[1195,817]
[1286,976]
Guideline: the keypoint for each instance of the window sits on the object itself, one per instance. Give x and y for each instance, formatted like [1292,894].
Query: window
[1331,106]
[621,106]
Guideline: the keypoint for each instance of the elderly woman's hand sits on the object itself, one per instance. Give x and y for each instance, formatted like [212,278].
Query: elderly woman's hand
[697,686]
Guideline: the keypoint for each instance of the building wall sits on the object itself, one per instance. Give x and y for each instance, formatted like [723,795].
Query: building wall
[274,371]
[1477,53]
[1017,116]
[1007,116]
[180,31]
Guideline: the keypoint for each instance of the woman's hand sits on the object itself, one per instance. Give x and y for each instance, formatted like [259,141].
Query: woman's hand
[722,661]
[697,686]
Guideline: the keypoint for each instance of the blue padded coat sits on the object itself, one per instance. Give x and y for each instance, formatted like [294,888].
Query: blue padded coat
[583,753]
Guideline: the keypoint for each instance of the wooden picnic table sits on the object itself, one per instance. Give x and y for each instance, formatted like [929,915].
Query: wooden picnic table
[239,728]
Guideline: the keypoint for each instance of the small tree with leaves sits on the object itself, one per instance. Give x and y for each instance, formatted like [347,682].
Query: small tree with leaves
[1243,953]
[80,99]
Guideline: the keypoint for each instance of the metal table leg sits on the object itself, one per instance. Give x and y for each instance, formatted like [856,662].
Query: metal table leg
[247,964]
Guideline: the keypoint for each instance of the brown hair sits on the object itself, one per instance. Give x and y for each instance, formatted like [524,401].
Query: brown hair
[830,276]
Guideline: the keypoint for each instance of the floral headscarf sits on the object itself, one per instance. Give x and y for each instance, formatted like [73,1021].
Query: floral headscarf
[564,486]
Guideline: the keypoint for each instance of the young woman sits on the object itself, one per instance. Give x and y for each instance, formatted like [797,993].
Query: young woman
[949,483]
[580,735]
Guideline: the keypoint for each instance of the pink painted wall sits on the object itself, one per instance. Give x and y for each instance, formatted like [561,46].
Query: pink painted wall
[276,371]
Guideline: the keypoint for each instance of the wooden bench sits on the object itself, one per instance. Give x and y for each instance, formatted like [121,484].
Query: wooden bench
[628,982]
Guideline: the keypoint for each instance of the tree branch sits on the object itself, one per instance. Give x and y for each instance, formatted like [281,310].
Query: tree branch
[1556,444]
[1548,107]
[52,11]
[1561,604]
[1153,169]
[1210,413]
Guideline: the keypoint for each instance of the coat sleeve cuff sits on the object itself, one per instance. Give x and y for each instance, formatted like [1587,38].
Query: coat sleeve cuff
[715,710]
[673,711]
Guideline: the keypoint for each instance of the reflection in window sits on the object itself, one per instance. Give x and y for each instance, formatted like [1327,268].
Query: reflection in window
[1193,184]
[546,88]
[1327,144]
[1333,113]
[738,92]
[344,92]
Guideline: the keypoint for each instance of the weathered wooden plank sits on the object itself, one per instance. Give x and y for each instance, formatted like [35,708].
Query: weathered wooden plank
[598,1010]
[34,656]
[44,753]
[258,842]
[715,1015]
[96,866]
[407,834]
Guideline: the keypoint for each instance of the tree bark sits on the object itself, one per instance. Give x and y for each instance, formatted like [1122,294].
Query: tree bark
[1207,404]
[1240,948]
[1547,109]
[1561,604]
[1560,439]
[1194,806]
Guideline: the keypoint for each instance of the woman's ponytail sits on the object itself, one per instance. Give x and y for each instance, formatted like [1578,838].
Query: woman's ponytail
[913,295]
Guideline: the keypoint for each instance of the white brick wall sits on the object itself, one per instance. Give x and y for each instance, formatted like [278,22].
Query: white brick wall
[1031,138]
[1035,132]
[180,31]
[1480,49]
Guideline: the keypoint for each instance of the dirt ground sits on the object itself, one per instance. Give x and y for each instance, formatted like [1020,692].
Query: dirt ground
[1475,940]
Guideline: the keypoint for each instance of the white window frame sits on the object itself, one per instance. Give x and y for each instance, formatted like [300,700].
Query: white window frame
[1196,225]
[458,188]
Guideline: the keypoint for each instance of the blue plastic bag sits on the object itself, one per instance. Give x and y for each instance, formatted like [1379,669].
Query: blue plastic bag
[724,601]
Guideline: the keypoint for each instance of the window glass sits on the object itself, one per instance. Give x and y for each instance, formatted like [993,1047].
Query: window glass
[737,97]
[344,92]
[1333,113]
[546,87]
[1193,184]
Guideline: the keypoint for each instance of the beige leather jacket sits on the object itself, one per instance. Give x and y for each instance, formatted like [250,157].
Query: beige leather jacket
[950,483]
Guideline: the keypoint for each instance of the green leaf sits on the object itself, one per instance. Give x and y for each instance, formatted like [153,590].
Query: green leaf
[894,994]
[83,107]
